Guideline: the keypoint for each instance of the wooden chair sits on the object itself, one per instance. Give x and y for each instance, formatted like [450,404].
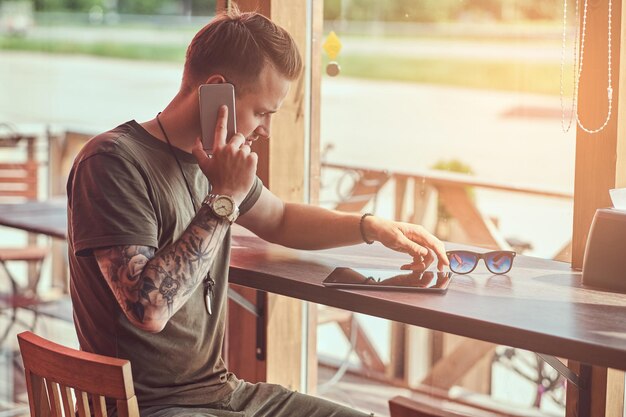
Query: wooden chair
[429,405]
[52,371]
[19,183]
[365,189]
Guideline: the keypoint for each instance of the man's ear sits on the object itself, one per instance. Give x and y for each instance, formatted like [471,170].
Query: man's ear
[215,79]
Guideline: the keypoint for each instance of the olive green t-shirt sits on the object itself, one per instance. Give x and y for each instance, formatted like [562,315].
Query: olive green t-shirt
[125,188]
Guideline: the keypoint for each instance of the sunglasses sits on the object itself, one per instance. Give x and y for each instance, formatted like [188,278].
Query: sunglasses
[464,262]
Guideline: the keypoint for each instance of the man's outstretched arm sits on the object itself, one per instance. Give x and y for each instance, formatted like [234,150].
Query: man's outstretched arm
[305,226]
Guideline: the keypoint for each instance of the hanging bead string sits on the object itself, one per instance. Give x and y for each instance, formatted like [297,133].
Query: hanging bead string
[579,64]
[574,68]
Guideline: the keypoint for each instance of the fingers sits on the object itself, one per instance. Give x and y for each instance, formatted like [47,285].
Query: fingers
[428,259]
[413,248]
[442,262]
[221,128]
[238,145]
[420,263]
[236,142]
[417,242]
[414,266]
[245,149]
[199,153]
[231,168]
[428,240]
[253,160]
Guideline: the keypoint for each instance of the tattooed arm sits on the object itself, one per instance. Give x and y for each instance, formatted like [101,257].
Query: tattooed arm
[150,287]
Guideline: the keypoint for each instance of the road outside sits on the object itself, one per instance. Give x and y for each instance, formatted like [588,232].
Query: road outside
[384,124]
[423,47]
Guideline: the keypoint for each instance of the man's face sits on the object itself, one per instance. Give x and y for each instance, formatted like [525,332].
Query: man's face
[255,107]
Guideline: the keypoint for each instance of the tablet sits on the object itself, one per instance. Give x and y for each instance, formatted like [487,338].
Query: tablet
[388,279]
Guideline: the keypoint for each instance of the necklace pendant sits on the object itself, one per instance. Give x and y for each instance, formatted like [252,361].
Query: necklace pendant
[208,294]
[207,299]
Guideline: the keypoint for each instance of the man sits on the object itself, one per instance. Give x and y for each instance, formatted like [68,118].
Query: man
[149,230]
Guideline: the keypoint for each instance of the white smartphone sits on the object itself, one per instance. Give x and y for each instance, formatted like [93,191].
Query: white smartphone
[212,96]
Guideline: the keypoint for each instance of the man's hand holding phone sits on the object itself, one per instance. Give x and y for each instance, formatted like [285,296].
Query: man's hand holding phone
[232,166]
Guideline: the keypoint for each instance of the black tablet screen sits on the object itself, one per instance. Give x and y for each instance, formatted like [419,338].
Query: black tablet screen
[388,279]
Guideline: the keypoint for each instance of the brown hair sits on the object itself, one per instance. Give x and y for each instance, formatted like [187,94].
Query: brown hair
[237,45]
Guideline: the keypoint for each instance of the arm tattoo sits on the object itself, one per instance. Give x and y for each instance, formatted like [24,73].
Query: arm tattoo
[152,286]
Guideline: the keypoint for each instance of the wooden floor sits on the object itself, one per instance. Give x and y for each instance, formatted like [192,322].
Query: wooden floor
[372,397]
[357,392]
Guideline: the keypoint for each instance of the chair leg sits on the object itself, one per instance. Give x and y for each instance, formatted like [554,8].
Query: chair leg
[16,293]
[14,288]
[7,330]
[33,284]
[13,308]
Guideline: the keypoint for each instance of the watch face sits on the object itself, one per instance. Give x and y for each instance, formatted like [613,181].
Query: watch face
[223,206]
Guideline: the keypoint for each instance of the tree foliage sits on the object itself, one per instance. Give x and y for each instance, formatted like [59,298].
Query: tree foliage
[442,10]
[364,10]
[195,7]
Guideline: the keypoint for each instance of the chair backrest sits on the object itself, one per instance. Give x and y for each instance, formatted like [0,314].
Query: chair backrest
[365,189]
[62,151]
[18,175]
[53,371]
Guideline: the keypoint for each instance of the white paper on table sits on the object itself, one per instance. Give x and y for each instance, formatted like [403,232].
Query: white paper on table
[618,197]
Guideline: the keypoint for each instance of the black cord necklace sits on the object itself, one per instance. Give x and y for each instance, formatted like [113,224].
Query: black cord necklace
[208,282]
[180,167]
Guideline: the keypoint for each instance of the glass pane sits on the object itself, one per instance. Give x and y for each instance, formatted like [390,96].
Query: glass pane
[440,112]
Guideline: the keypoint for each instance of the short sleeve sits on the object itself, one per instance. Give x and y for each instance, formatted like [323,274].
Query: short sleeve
[252,197]
[109,205]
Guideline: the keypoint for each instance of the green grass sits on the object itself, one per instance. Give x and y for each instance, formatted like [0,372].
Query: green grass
[539,77]
[103,49]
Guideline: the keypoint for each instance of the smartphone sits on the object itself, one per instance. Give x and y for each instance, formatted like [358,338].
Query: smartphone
[212,96]
[388,279]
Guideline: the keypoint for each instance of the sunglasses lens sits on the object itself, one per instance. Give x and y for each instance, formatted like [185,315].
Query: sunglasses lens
[499,262]
[462,262]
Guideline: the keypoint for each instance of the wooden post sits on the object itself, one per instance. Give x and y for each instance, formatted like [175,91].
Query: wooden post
[600,157]
[62,149]
[33,270]
[282,169]
[606,387]
[401,189]
[600,166]
[317,30]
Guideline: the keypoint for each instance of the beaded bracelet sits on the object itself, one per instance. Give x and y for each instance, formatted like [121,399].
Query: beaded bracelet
[369,242]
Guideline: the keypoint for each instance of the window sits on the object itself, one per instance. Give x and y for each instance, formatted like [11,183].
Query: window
[449,114]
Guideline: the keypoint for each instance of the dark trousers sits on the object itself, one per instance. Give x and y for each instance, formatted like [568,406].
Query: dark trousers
[259,400]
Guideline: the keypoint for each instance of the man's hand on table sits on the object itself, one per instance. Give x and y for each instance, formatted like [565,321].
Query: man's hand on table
[409,238]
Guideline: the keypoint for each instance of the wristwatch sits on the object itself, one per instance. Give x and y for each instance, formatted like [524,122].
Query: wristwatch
[223,207]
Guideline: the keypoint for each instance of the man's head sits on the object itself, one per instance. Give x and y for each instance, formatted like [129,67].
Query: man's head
[254,54]
[238,46]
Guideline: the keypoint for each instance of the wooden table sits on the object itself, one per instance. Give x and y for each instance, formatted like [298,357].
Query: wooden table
[47,218]
[540,305]
[44,217]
